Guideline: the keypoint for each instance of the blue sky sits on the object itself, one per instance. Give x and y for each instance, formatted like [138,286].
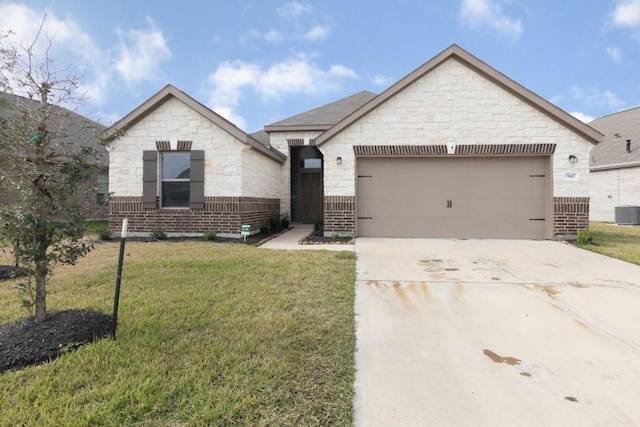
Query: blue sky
[260,61]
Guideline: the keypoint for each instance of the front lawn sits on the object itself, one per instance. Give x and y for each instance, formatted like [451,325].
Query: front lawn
[616,241]
[209,334]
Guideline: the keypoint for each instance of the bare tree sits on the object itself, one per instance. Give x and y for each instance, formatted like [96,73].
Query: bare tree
[44,170]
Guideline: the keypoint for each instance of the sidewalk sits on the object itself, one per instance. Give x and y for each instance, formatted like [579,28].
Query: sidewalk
[289,241]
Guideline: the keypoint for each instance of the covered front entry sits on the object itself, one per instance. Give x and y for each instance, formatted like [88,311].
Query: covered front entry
[465,197]
[306,184]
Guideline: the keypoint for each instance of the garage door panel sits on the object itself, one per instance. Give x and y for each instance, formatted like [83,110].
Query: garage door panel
[451,197]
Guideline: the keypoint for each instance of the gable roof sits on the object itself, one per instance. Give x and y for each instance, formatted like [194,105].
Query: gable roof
[617,128]
[170,91]
[76,130]
[322,118]
[455,52]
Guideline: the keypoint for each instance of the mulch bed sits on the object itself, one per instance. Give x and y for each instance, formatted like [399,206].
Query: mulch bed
[10,272]
[27,342]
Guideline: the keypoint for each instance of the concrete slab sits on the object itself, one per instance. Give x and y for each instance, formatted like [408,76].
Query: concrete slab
[289,241]
[494,332]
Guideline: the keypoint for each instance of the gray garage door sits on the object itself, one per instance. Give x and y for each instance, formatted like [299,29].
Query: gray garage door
[474,197]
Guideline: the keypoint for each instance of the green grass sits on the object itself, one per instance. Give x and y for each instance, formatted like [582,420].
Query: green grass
[95,225]
[209,334]
[622,242]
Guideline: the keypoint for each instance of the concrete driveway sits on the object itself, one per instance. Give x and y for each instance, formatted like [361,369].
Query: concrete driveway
[495,333]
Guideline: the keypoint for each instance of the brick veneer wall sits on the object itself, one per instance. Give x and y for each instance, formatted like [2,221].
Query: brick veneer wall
[225,215]
[339,214]
[570,214]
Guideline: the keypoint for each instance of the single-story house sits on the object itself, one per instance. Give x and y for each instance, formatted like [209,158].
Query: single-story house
[615,164]
[454,149]
[69,130]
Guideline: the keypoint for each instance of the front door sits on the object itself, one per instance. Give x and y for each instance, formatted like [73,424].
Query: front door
[306,184]
[310,199]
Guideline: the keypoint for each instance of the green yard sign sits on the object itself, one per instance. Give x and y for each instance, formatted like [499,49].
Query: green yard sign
[246,231]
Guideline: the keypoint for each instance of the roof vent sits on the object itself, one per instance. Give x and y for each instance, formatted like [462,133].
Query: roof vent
[628,145]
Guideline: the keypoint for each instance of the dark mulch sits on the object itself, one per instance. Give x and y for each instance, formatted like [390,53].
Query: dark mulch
[10,272]
[27,342]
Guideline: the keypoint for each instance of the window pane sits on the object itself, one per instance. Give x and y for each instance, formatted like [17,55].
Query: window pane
[312,163]
[175,194]
[102,182]
[175,165]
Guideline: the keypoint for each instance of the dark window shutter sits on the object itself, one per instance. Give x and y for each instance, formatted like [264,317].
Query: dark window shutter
[196,198]
[149,177]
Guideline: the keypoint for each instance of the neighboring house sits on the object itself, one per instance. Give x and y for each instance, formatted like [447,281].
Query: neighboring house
[78,131]
[615,164]
[175,164]
[454,149]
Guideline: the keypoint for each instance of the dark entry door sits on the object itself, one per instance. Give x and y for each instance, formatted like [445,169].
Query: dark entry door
[310,197]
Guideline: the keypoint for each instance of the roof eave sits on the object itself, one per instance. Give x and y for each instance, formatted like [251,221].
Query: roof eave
[461,55]
[613,166]
[170,91]
[296,128]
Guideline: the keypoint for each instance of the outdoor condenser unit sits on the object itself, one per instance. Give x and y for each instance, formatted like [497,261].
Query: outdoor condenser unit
[628,215]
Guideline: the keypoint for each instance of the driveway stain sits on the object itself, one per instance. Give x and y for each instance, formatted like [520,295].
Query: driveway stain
[525,374]
[550,290]
[500,359]
[571,399]
[401,294]
[581,324]
[451,269]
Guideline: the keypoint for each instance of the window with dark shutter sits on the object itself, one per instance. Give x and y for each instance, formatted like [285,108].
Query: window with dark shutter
[196,198]
[149,179]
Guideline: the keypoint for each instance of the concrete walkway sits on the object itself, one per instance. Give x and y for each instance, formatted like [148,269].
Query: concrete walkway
[289,241]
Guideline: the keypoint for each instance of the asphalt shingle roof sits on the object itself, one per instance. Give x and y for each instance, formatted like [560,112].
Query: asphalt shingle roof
[79,131]
[329,114]
[617,128]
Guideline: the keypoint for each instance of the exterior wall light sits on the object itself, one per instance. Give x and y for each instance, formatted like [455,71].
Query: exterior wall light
[573,159]
[339,160]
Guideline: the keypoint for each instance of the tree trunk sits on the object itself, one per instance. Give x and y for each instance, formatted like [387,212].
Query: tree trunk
[41,289]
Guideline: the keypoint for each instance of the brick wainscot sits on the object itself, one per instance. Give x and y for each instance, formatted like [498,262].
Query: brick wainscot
[225,215]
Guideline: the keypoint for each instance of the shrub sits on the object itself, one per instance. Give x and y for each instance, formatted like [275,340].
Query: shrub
[584,237]
[318,227]
[285,220]
[275,222]
[104,233]
[210,235]
[158,234]
[335,235]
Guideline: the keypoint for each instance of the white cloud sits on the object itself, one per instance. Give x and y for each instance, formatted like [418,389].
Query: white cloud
[585,118]
[140,53]
[626,13]
[477,14]
[293,76]
[380,80]
[319,32]
[614,53]
[293,9]
[594,97]
[72,49]
[271,36]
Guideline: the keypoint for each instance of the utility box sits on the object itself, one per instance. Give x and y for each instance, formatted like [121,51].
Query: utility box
[627,215]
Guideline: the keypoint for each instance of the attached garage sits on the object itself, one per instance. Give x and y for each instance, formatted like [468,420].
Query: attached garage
[457,149]
[466,197]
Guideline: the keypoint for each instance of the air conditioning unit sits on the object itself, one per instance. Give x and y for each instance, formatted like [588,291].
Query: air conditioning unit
[628,215]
